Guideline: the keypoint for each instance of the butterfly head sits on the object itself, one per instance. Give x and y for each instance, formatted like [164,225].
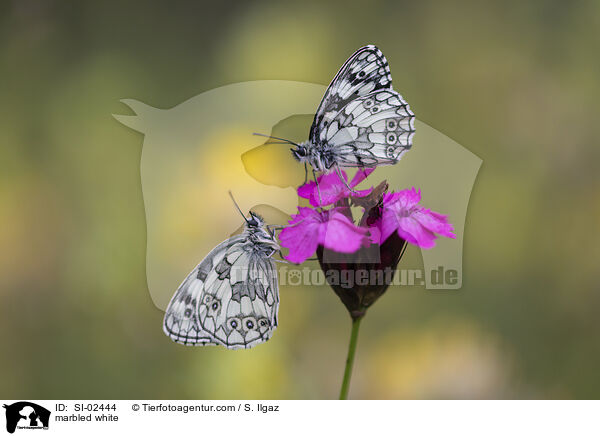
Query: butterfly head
[261,234]
[254,221]
[300,153]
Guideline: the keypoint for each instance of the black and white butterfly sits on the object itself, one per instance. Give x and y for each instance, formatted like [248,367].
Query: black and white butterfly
[232,297]
[361,121]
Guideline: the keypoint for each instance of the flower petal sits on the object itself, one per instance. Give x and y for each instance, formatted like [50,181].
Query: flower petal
[360,175]
[301,237]
[306,190]
[375,234]
[388,223]
[340,234]
[406,198]
[412,231]
[330,187]
[414,223]
[434,222]
[362,193]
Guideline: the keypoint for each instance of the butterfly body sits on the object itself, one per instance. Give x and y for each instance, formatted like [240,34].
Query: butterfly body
[232,297]
[361,121]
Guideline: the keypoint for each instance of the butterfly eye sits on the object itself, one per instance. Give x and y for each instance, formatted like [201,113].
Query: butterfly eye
[392,125]
[234,323]
[391,138]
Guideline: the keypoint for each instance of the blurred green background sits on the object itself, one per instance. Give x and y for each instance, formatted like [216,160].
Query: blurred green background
[514,82]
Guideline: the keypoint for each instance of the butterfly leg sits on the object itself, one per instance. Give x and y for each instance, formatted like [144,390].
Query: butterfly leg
[305,173]
[318,189]
[280,255]
[287,261]
[340,175]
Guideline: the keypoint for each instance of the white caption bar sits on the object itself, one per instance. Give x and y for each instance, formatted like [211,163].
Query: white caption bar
[303,417]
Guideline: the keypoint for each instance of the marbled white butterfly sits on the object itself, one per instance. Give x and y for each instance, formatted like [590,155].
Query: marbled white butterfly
[231,298]
[361,121]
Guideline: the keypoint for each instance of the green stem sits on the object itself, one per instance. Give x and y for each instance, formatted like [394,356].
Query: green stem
[350,358]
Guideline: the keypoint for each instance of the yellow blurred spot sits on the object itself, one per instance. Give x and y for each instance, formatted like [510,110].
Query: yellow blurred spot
[449,360]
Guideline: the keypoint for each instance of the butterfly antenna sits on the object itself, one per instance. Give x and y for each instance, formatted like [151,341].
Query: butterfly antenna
[286,141]
[238,207]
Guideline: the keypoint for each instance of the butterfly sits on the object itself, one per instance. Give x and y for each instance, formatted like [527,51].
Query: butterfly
[232,297]
[361,121]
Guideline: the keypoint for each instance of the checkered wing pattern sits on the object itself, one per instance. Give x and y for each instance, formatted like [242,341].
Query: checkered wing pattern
[362,121]
[231,298]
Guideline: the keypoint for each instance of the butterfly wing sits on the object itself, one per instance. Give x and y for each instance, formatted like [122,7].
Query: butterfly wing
[231,298]
[248,292]
[181,322]
[366,71]
[376,129]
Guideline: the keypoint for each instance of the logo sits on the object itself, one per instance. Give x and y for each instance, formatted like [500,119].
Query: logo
[26,415]
[195,152]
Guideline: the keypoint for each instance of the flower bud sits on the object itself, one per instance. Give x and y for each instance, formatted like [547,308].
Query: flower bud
[360,278]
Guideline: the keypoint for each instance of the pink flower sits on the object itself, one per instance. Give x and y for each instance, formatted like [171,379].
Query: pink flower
[402,214]
[311,228]
[333,189]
